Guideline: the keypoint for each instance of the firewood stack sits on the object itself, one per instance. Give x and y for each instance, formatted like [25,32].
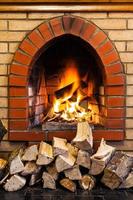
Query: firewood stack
[70,165]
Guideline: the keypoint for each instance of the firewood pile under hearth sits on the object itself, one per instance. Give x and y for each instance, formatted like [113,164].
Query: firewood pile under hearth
[70,165]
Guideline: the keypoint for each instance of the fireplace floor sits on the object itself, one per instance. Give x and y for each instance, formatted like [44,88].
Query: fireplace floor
[37,193]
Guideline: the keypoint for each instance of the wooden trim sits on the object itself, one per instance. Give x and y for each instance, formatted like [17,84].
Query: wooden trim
[67,7]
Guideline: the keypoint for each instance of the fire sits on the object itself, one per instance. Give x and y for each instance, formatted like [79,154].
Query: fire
[71,94]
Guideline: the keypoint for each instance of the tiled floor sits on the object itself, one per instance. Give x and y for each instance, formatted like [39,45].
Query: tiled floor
[42,194]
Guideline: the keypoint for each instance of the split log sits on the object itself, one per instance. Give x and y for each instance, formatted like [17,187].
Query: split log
[60,146]
[3,164]
[87,182]
[14,183]
[3,130]
[83,139]
[30,153]
[16,165]
[36,176]
[48,181]
[51,169]
[73,173]
[68,184]
[83,159]
[117,170]
[72,149]
[62,163]
[128,182]
[101,158]
[29,168]
[45,155]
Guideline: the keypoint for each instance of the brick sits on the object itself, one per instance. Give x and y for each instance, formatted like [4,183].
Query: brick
[3,25]
[11,36]
[18,91]
[97,39]
[17,80]
[18,103]
[129,112]
[120,46]
[129,67]
[12,15]
[115,102]
[18,113]
[92,15]
[88,30]
[3,81]
[77,26]
[126,57]
[23,25]
[129,79]
[6,58]
[121,15]
[19,69]
[115,135]
[3,102]
[3,113]
[130,24]
[115,123]
[110,23]
[130,90]
[3,69]
[121,35]
[36,39]
[115,90]
[129,101]
[130,46]
[67,22]
[18,125]
[3,91]
[105,48]
[57,27]
[116,113]
[114,68]
[26,136]
[3,47]
[43,15]
[46,31]
[28,47]
[13,46]
[116,80]
[129,134]
[110,58]
[129,123]
[22,58]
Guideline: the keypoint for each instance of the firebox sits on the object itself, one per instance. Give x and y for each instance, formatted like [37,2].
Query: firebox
[64,71]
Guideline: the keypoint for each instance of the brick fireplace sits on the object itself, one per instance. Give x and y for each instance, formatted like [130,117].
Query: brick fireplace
[24,37]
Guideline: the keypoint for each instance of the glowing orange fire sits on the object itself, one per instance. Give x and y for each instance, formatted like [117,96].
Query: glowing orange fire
[68,105]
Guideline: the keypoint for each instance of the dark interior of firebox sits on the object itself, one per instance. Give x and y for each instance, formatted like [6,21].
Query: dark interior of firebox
[45,75]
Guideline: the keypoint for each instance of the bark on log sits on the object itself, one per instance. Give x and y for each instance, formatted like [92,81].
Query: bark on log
[83,159]
[48,181]
[29,168]
[73,173]
[128,182]
[62,163]
[117,170]
[101,158]
[30,153]
[36,176]
[14,183]
[87,182]
[68,184]
[16,165]
[60,146]
[83,139]
[45,155]
[51,169]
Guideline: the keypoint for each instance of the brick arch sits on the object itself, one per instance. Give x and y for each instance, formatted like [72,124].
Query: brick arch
[28,51]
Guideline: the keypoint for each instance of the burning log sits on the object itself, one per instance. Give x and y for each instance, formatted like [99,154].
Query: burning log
[48,181]
[16,165]
[45,155]
[83,159]
[30,153]
[83,139]
[117,170]
[62,163]
[36,176]
[73,173]
[101,158]
[128,182]
[68,184]
[60,146]
[51,169]
[29,168]
[87,182]
[15,183]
